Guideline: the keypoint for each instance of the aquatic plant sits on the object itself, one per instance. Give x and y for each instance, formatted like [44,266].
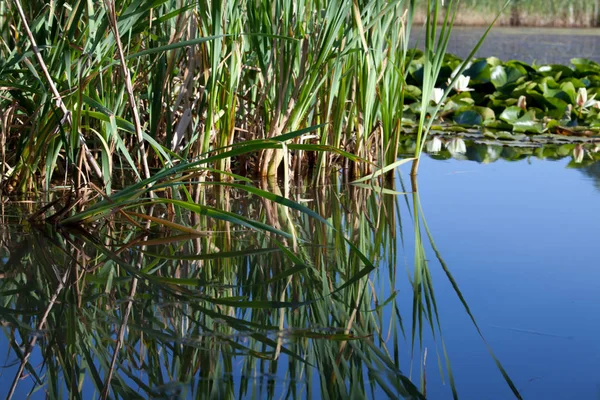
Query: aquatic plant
[428,72]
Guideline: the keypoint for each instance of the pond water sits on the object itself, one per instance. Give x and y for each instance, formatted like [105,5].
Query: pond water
[539,45]
[518,237]
[214,315]
[521,239]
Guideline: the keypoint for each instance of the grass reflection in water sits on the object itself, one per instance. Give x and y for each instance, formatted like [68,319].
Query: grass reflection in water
[188,305]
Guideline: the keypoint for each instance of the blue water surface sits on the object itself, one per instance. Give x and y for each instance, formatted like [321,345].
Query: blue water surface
[521,240]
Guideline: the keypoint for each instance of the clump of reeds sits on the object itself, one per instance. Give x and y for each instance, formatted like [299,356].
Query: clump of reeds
[132,87]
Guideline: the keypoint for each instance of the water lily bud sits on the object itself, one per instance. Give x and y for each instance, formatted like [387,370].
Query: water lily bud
[581,97]
[578,153]
[522,103]
[456,146]
[434,145]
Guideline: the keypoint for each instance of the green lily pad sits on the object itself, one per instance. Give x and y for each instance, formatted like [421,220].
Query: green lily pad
[554,107]
[505,135]
[489,134]
[522,67]
[412,92]
[511,114]
[556,71]
[479,71]
[493,61]
[522,121]
[497,124]
[527,123]
[498,76]
[577,83]
[486,113]
[584,66]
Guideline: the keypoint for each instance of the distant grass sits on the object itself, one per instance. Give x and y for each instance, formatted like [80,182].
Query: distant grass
[560,13]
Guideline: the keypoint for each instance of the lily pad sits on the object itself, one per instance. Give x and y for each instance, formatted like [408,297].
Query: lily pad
[498,76]
[522,121]
[556,71]
[479,71]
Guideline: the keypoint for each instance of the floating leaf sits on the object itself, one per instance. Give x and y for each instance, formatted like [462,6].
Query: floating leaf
[499,76]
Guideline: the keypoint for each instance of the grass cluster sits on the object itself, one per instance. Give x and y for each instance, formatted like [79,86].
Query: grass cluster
[93,90]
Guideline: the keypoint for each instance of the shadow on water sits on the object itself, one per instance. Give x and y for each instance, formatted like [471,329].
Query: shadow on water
[135,306]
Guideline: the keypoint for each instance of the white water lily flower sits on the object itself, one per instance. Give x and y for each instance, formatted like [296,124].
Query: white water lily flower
[578,153]
[456,146]
[582,99]
[437,94]
[434,145]
[462,84]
